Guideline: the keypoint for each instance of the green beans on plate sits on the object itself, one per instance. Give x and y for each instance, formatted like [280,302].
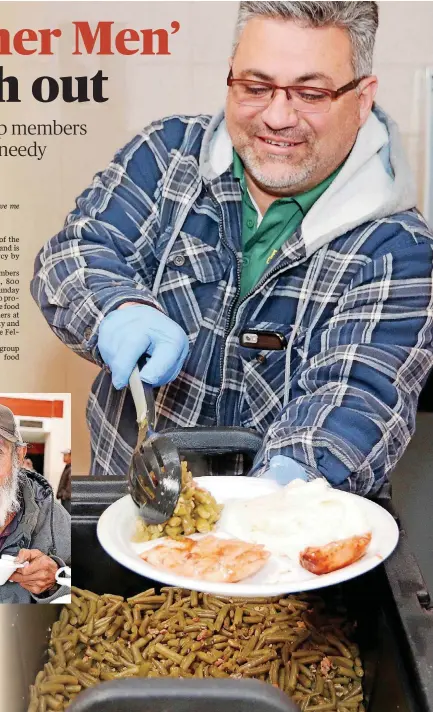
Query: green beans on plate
[291,642]
[196,511]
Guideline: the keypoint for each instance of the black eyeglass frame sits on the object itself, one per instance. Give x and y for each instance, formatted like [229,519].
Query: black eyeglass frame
[332,93]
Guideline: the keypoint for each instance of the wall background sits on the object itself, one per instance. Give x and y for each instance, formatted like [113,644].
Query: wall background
[142,89]
[54,431]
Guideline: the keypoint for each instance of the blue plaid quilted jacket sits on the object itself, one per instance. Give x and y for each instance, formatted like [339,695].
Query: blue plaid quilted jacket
[351,290]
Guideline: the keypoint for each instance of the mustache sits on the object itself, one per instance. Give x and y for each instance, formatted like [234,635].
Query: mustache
[281,136]
[284,134]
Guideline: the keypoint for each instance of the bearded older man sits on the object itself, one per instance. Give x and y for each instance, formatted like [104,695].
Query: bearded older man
[270,260]
[33,527]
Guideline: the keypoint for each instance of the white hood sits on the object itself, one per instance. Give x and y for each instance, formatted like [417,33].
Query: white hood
[375,181]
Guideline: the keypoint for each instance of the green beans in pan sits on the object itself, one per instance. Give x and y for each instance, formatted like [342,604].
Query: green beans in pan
[290,642]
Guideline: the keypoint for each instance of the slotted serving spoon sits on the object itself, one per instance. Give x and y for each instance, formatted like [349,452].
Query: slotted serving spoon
[155,474]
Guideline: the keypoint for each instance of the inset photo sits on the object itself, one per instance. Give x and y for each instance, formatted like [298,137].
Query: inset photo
[35,497]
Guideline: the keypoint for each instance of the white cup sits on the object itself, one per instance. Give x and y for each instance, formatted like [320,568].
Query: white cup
[64,580]
[62,600]
[8,566]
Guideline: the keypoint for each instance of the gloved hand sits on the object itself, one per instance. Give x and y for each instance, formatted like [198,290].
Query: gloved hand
[126,334]
[283,470]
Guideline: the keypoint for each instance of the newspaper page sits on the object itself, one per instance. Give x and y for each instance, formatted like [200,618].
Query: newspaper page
[213,264]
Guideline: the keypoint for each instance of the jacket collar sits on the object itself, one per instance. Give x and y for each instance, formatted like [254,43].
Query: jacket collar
[375,181]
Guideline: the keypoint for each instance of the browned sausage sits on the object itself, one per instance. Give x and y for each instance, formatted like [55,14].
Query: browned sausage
[333,556]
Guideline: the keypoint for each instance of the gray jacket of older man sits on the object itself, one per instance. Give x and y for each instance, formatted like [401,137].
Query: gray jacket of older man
[43,524]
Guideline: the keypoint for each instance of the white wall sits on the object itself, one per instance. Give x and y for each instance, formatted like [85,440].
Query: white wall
[404,49]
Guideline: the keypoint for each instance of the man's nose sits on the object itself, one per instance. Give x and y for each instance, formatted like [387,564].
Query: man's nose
[280,113]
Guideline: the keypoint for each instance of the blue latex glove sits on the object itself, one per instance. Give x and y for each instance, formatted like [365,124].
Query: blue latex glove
[126,334]
[283,470]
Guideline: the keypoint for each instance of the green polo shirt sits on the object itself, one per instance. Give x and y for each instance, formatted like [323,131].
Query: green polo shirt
[261,243]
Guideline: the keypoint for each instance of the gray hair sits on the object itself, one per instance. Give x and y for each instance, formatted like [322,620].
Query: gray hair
[9,490]
[360,19]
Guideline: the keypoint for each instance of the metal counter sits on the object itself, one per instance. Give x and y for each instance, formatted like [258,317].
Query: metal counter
[412,494]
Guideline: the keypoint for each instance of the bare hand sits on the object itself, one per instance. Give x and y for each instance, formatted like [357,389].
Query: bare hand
[39,575]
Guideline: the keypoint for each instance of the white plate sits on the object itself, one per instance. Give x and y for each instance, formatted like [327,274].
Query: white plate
[117,524]
[62,600]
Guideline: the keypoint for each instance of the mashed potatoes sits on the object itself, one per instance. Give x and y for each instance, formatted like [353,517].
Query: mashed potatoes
[299,515]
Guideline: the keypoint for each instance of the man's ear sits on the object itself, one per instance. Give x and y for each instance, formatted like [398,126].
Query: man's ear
[368,89]
[21,452]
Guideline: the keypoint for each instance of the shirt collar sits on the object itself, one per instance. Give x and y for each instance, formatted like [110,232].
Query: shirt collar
[238,169]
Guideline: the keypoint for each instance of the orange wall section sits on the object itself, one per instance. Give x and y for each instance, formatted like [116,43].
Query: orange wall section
[34,408]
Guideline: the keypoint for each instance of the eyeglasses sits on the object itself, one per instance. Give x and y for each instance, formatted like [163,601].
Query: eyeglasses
[311,100]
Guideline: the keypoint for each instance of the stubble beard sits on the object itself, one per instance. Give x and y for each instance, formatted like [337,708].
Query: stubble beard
[9,491]
[260,166]
[294,176]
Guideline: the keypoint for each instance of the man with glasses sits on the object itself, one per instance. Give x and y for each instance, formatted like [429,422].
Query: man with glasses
[269,261]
